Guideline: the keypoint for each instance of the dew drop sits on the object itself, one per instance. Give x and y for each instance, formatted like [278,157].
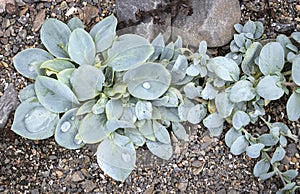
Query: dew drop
[235,57]
[31,67]
[126,157]
[146,85]
[77,141]
[65,126]
[72,118]
[27,115]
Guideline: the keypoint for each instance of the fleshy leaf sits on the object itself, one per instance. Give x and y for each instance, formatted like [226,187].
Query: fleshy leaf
[159,45]
[27,92]
[161,133]
[240,119]
[296,71]
[248,64]
[223,104]
[104,33]
[209,92]
[253,151]
[271,58]
[54,95]
[163,151]
[56,65]
[67,129]
[278,155]
[33,121]
[261,167]
[148,81]
[239,145]
[242,91]
[268,139]
[28,62]
[180,131]
[128,52]
[143,110]
[135,136]
[92,128]
[81,47]
[65,75]
[55,36]
[231,135]
[116,157]
[268,88]
[87,82]
[292,106]
[196,114]
[74,23]
[225,68]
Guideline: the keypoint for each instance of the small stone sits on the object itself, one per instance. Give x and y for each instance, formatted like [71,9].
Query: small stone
[88,186]
[63,5]
[298,7]
[222,191]
[34,191]
[182,185]
[59,173]
[89,13]
[77,177]
[39,20]
[197,163]
[11,7]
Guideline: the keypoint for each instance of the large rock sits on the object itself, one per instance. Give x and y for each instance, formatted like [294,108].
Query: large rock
[212,20]
[8,103]
[146,25]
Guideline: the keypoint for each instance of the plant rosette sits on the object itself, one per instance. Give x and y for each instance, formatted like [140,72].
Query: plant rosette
[123,92]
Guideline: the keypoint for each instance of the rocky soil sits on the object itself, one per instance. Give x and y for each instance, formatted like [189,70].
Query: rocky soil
[202,165]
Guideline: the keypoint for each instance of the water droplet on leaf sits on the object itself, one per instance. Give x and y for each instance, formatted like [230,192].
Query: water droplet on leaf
[146,85]
[31,67]
[65,126]
[27,115]
[77,141]
[72,118]
[126,157]
[235,57]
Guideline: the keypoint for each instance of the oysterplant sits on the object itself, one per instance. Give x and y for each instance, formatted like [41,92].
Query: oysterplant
[124,92]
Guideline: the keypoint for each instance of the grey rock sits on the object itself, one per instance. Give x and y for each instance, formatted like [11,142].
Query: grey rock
[88,186]
[8,103]
[126,11]
[77,176]
[211,21]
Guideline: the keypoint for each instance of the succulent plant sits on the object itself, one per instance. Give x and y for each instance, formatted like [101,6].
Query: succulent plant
[123,92]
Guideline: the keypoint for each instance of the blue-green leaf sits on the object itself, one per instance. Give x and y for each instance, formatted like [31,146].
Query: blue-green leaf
[128,52]
[261,167]
[278,155]
[54,95]
[33,121]
[81,47]
[28,62]
[268,87]
[271,58]
[74,23]
[116,157]
[292,106]
[163,151]
[55,36]
[239,145]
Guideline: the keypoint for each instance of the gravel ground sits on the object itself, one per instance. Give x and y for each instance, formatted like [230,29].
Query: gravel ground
[202,165]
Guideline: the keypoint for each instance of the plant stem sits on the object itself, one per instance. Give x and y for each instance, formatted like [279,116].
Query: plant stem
[275,168]
[290,84]
[200,100]
[287,73]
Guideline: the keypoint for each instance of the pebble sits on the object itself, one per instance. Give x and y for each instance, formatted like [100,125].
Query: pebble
[182,185]
[39,20]
[88,186]
[77,176]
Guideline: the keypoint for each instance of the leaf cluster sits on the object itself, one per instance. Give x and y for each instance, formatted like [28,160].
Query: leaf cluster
[124,92]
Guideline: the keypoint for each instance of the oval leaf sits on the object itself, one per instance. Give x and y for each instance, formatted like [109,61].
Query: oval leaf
[253,151]
[242,91]
[87,82]
[163,151]
[231,135]
[239,145]
[225,68]
[296,71]
[116,157]
[28,62]
[278,155]
[92,128]
[223,104]
[292,106]
[143,110]
[67,129]
[261,167]
[240,119]
[55,36]
[268,88]
[81,47]
[33,121]
[129,51]
[104,33]
[271,58]
[54,95]
[148,81]
[27,92]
